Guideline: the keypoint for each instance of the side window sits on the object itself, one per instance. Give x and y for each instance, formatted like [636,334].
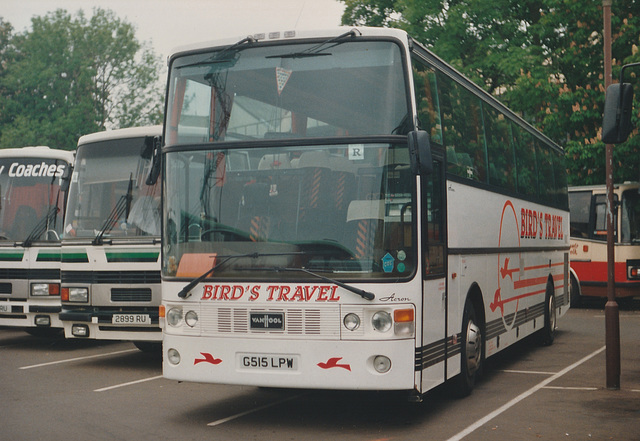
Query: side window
[599,217]
[630,217]
[560,179]
[545,173]
[499,149]
[580,209]
[424,80]
[462,130]
[525,152]
[190,112]
[433,221]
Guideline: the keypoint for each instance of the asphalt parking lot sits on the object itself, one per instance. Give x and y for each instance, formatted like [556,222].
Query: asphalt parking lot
[60,389]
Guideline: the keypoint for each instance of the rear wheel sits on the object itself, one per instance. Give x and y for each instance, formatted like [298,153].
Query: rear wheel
[471,351]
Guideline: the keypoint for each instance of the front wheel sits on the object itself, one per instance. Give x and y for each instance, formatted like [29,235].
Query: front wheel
[471,351]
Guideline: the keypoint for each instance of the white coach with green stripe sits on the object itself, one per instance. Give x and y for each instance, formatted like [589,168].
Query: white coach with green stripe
[111,244]
[33,183]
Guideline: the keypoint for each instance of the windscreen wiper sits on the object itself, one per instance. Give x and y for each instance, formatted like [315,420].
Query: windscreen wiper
[361,292]
[315,51]
[123,206]
[41,226]
[220,57]
[49,218]
[186,291]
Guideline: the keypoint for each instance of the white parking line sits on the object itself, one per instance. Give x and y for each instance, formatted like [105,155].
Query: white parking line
[69,360]
[127,384]
[512,371]
[241,414]
[571,388]
[522,396]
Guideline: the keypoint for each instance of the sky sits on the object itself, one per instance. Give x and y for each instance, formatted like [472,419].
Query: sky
[167,24]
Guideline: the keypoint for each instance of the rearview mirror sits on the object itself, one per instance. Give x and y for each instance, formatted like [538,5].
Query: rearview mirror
[420,152]
[616,123]
[156,163]
[65,181]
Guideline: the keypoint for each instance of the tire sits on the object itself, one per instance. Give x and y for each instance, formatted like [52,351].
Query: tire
[45,332]
[471,352]
[151,347]
[547,334]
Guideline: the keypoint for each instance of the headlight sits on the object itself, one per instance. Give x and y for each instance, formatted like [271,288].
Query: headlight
[382,364]
[381,321]
[79,295]
[351,321]
[173,356]
[191,318]
[45,289]
[633,272]
[80,330]
[39,289]
[174,316]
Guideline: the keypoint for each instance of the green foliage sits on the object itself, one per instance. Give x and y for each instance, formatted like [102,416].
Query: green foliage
[368,12]
[542,58]
[70,76]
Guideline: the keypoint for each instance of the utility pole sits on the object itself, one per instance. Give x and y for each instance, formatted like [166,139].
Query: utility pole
[611,312]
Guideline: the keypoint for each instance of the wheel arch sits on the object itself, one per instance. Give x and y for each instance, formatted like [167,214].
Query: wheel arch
[474,295]
[573,275]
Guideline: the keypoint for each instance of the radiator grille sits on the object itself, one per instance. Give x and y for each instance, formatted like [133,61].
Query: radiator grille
[22,274]
[111,277]
[131,294]
[223,320]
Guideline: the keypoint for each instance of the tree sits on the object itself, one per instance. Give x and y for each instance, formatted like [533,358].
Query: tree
[70,76]
[542,58]
[571,110]
[5,36]
[126,73]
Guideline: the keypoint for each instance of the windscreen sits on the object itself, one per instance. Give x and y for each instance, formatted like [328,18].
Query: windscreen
[344,211]
[345,88]
[32,203]
[108,196]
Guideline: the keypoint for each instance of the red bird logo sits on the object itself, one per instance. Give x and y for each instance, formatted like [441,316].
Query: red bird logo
[506,271]
[208,358]
[333,362]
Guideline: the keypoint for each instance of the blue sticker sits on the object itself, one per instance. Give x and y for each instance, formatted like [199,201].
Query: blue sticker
[387,263]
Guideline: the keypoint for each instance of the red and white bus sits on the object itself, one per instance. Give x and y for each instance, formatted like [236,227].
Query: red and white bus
[589,240]
[33,192]
[343,210]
